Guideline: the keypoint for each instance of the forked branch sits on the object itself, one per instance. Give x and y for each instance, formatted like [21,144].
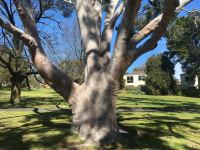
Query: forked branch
[152,26]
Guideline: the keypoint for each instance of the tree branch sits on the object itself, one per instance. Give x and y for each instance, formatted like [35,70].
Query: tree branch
[126,29]
[159,27]
[9,12]
[89,17]
[110,20]
[150,27]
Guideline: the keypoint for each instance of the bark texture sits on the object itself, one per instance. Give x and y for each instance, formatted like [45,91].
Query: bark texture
[16,81]
[15,93]
[94,102]
[94,111]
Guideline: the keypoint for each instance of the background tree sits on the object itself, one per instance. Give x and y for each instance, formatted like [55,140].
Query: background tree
[13,55]
[94,102]
[183,42]
[160,76]
[71,60]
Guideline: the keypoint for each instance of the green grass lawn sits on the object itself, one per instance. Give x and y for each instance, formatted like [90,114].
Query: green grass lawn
[43,120]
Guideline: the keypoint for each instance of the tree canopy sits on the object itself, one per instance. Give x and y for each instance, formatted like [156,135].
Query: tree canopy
[160,76]
[183,42]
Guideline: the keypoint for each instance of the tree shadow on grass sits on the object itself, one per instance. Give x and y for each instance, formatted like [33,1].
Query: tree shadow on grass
[159,105]
[51,130]
[148,135]
[145,132]
[27,102]
[46,130]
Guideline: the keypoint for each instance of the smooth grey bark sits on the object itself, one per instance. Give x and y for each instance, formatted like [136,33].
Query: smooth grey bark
[94,102]
[94,111]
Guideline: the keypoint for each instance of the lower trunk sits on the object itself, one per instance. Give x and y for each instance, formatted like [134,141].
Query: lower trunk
[15,93]
[94,110]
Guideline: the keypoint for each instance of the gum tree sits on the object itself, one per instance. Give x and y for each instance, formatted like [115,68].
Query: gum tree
[93,103]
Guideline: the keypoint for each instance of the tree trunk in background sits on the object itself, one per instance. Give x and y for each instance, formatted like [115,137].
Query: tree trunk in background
[15,93]
[94,109]
[16,82]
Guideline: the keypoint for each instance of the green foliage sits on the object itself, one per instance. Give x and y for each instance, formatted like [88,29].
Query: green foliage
[74,68]
[4,76]
[150,10]
[122,84]
[183,42]
[191,92]
[135,90]
[160,81]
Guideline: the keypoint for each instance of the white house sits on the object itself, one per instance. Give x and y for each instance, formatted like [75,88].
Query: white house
[188,81]
[135,79]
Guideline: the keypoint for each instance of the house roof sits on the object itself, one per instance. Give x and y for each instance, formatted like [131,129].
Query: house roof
[136,72]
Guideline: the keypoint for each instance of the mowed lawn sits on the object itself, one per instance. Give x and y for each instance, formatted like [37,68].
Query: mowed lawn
[43,120]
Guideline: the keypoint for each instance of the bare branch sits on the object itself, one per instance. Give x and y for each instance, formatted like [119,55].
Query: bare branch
[190,11]
[8,11]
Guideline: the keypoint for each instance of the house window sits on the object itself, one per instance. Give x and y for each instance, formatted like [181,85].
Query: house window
[130,79]
[186,79]
[141,78]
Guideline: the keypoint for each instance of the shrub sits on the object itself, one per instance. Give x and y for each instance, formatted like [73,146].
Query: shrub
[191,91]
[135,90]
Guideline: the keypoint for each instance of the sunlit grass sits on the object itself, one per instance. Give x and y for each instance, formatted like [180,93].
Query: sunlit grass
[152,122]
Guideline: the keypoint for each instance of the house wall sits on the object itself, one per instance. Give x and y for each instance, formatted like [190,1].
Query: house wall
[136,81]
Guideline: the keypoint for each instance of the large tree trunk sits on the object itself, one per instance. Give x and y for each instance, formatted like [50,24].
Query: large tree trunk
[94,110]
[15,92]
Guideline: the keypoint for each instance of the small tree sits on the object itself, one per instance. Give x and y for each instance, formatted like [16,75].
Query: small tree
[160,79]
